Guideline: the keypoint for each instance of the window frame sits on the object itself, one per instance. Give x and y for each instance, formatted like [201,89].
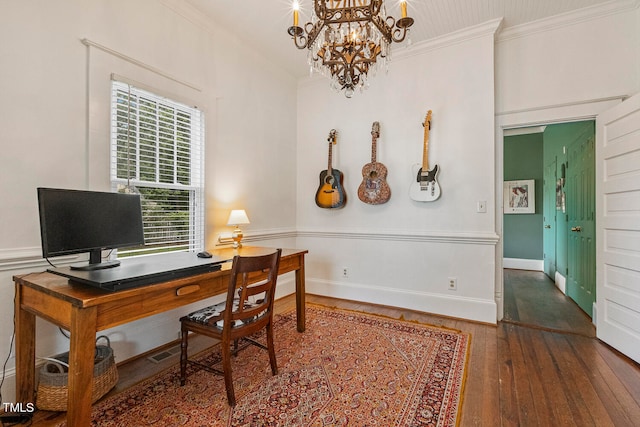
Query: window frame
[186,155]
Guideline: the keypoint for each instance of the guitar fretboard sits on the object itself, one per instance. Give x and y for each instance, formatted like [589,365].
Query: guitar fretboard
[425,151]
[375,133]
[332,140]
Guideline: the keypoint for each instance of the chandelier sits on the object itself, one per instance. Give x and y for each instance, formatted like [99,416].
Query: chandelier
[348,38]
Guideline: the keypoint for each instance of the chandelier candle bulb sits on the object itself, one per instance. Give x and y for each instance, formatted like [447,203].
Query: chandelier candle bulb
[296,7]
[403,8]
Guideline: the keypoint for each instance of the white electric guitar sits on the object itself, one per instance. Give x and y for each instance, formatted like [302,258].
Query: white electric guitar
[425,187]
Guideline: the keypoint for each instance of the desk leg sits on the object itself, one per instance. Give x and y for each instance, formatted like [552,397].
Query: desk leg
[81,356]
[300,297]
[25,346]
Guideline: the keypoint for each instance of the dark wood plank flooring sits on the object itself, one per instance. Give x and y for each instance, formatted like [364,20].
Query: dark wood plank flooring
[517,375]
[532,299]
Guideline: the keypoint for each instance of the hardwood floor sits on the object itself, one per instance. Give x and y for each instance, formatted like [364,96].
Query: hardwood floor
[517,375]
[532,299]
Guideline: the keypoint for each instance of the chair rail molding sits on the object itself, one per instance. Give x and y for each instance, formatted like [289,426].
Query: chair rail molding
[479,238]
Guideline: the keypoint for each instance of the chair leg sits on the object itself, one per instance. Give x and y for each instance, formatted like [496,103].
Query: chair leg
[226,367]
[184,334]
[271,349]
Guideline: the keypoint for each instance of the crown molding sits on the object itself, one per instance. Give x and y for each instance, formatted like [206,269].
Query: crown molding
[568,18]
[456,37]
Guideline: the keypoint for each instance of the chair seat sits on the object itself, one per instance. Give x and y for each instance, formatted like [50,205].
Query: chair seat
[212,315]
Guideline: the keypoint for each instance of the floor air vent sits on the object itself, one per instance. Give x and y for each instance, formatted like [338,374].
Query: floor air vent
[165,354]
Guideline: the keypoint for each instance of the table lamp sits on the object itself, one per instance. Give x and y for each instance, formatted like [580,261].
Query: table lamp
[237,217]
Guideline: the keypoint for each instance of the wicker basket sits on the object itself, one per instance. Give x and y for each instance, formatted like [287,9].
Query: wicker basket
[53,387]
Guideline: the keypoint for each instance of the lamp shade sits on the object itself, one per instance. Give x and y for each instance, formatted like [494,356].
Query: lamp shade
[237,217]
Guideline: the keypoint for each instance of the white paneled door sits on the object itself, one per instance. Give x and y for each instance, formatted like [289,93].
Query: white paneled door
[618,227]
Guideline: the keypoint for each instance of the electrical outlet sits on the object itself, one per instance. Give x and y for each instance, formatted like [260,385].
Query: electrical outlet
[345,272]
[481,207]
[453,284]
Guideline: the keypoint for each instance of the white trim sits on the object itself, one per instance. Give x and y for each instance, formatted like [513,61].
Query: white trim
[171,97]
[561,282]
[488,238]
[577,108]
[225,239]
[30,258]
[450,39]
[568,18]
[473,309]
[524,131]
[355,234]
[541,115]
[524,264]
[140,64]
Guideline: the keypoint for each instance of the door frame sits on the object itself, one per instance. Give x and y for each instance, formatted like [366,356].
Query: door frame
[539,116]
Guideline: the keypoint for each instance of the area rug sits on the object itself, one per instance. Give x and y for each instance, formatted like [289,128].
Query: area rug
[347,369]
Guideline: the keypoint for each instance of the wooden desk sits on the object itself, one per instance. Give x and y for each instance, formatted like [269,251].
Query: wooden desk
[84,310]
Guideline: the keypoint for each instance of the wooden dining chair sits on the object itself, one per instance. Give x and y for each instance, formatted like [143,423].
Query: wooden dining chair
[251,310]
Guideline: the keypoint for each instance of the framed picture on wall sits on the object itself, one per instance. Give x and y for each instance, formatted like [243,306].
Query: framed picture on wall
[520,197]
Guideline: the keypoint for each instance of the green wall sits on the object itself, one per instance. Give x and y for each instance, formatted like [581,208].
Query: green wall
[523,159]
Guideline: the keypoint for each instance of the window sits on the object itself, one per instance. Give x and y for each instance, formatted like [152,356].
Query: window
[157,150]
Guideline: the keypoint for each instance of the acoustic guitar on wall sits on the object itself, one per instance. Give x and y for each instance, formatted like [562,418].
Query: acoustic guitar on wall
[330,194]
[374,189]
[425,187]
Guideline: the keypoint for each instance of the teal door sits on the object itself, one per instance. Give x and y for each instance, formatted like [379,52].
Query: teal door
[581,277]
[549,219]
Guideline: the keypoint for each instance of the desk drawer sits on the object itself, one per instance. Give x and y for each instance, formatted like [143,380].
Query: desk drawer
[160,298]
[289,264]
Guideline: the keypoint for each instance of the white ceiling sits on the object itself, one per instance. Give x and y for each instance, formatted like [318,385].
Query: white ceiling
[264,23]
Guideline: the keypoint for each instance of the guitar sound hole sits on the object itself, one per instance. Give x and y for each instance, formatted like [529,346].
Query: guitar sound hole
[373,174]
[329,180]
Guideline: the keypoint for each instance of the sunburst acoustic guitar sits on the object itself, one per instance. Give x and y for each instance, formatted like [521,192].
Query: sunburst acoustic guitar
[330,194]
[374,189]
[425,187]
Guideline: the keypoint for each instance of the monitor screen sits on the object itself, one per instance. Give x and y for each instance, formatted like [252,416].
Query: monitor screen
[76,221]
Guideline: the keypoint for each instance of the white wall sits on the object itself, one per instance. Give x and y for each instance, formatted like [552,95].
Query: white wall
[588,55]
[403,252]
[54,130]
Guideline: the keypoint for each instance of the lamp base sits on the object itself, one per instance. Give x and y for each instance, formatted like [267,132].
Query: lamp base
[237,238]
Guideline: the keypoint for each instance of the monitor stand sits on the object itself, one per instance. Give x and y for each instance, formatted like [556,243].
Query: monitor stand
[95,262]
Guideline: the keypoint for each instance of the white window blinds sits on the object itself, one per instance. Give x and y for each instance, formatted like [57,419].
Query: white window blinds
[157,150]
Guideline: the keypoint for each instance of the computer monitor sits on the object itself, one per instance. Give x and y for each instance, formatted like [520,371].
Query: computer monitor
[76,221]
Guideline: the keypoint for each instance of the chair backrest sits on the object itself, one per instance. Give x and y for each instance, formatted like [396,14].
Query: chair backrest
[251,276]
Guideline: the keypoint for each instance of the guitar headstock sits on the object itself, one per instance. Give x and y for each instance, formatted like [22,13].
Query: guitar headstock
[332,136]
[427,120]
[375,130]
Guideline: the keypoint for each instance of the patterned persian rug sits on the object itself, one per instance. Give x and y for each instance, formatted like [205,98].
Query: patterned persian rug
[347,369]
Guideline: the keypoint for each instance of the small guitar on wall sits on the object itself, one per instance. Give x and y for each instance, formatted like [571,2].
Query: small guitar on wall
[374,188]
[330,194]
[425,188]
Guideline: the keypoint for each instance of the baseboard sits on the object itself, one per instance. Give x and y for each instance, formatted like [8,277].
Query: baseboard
[473,309]
[523,264]
[561,282]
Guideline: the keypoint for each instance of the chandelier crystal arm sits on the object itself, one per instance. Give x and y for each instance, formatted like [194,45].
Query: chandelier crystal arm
[348,38]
